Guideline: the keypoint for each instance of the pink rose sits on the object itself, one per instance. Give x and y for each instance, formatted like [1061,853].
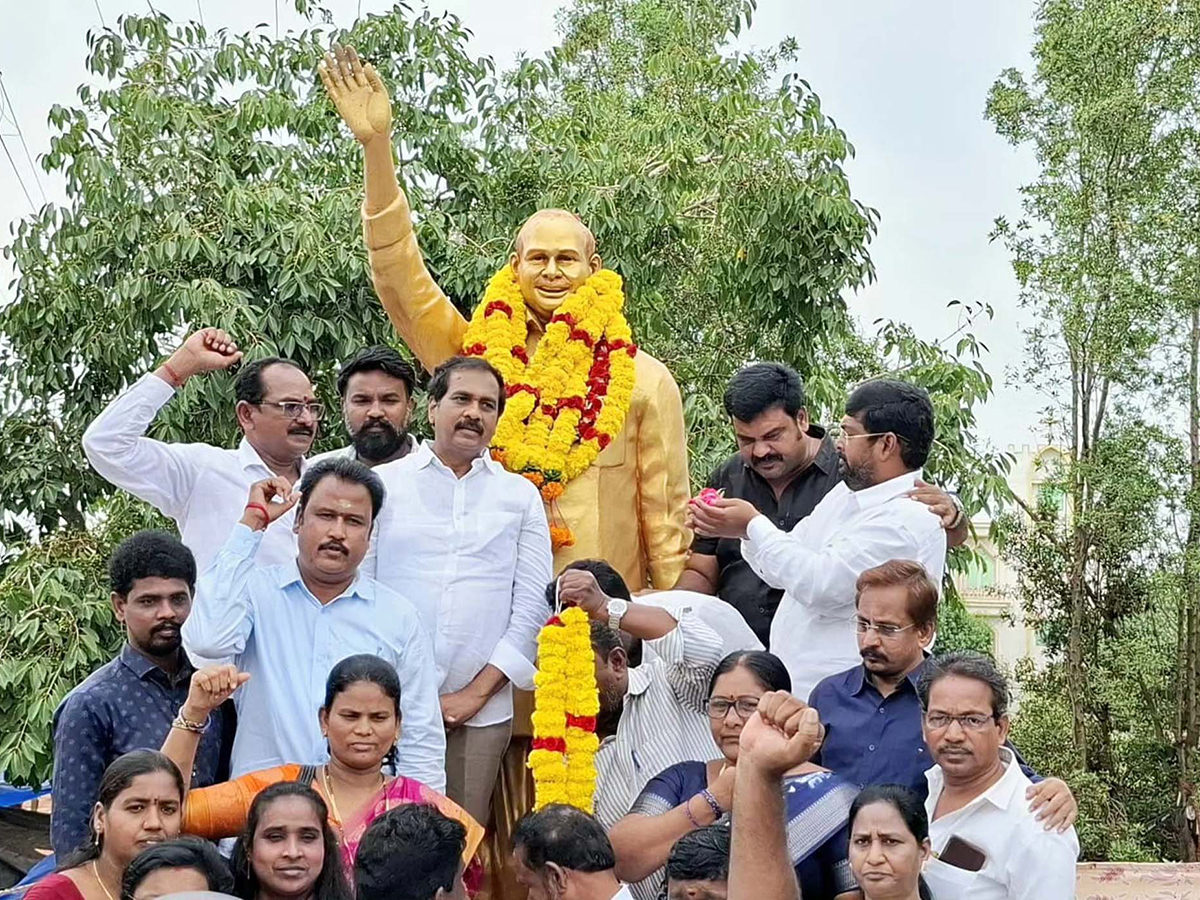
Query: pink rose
[710,496]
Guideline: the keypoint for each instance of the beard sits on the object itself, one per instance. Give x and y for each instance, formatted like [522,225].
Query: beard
[379,440]
[857,478]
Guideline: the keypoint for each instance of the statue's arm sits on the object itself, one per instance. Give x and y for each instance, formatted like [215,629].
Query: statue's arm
[423,315]
[663,486]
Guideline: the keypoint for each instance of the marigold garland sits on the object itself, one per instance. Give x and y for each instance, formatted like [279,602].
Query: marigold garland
[569,401]
[565,706]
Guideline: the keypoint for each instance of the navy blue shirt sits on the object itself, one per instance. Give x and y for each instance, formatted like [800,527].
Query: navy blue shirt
[127,704]
[872,739]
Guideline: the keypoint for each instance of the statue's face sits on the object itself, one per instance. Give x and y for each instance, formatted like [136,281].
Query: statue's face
[552,260]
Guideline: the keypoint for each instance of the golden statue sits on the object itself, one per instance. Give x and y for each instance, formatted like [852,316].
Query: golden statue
[594,422]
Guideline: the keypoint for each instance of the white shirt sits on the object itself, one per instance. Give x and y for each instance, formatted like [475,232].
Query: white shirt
[818,562]
[472,554]
[1024,861]
[714,612]
[202,487]
[623,893]
[348,452]
[663,721]
[275,629]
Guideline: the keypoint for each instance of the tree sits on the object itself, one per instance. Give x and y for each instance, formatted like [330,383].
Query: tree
[1110,114]
[209,183]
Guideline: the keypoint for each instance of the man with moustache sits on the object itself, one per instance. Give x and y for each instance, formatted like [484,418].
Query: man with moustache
[129,703]
[200,486]
[784,466]
[977,790]
[287,625]
[376,386]
[468,544]
[868,518]
[871,712]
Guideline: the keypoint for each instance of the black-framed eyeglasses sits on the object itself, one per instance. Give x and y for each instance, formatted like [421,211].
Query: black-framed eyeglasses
[972,722]
[296,410]
[862,626]
[719,707]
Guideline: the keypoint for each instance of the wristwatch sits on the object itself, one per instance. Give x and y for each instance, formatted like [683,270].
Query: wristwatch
[616,612]
[962,511]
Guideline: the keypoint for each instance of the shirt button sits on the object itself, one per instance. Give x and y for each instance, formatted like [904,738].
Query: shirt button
[881,709]
[871,748]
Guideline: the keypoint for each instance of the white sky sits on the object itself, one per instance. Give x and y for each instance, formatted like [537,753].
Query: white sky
[906,79]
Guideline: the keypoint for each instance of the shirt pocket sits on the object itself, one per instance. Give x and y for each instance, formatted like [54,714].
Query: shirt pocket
[949,882]
[614,454]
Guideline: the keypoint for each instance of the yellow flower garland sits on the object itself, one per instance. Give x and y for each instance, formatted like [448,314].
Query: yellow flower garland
[566,704]
[569,401]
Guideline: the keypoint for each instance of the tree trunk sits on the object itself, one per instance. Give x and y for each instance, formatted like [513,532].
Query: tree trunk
[1076,682]
[1187,706]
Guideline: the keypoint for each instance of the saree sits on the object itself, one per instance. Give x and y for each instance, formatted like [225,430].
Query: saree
[817,806]
[399,792]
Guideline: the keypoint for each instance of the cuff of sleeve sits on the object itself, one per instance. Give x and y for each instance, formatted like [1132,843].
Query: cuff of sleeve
[759,529]
[514,665]
[243,541]
[388,226]
[155,388]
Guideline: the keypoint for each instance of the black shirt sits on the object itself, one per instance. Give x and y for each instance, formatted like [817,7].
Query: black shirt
[736,582]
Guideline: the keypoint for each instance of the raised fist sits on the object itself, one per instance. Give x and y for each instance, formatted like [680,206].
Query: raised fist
[269,499]
[782,734]
[210,687]
[206,350]
[358,93]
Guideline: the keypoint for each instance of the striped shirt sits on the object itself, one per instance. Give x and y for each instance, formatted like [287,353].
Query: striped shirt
[663,720]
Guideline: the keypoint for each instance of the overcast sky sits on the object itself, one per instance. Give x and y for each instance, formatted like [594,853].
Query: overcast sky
[906,79]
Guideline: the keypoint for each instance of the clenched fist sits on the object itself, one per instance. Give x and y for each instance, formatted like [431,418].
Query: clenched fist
[206,350]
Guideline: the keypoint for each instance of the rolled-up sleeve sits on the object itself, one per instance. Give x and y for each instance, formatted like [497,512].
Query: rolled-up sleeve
[115,444]
[516,651]
[222,615]
[691,651]
[421,753]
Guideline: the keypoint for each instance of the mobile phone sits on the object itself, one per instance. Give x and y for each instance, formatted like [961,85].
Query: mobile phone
[962,855]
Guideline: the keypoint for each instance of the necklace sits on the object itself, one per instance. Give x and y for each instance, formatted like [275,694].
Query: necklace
[100,881]
[333,806]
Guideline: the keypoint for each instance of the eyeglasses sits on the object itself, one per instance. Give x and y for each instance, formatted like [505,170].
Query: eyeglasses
[719,707]
[973,722]
[838,432]
[296,410]
[862,626]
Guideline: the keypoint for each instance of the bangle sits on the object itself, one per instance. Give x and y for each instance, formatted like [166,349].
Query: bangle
[175,379]
[712,803]
[185,724]
[687,808]
[258,507]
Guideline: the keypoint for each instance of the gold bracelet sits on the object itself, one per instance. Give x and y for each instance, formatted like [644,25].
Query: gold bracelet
[185,724]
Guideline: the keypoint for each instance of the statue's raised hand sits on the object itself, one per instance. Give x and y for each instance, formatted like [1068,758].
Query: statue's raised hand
[358,93]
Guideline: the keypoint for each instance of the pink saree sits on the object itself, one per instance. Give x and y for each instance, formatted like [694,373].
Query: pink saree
[403,790]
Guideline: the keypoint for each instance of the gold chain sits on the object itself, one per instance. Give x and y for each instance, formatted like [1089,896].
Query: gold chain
[328,782]
[100,881]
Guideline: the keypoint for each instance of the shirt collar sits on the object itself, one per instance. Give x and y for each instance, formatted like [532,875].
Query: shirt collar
[640,678]
[361,587]
[424,456]
[879,494]
[141,666]
[858,678]
[999,795]
[250,459]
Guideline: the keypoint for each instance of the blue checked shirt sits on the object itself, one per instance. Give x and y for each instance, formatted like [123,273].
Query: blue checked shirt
[127,704]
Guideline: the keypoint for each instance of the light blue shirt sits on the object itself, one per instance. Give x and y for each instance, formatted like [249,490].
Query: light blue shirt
[271,625]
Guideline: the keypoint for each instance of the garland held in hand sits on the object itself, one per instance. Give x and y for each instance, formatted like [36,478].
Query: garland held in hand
[565,706]
[569,401]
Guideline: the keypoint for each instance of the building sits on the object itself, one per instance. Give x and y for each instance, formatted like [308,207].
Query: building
[989,589]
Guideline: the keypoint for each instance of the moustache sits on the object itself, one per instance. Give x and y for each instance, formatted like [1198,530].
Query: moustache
[767,460]
[302,429]
[469,426]
[335,545]
[166,626]
[873,655]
